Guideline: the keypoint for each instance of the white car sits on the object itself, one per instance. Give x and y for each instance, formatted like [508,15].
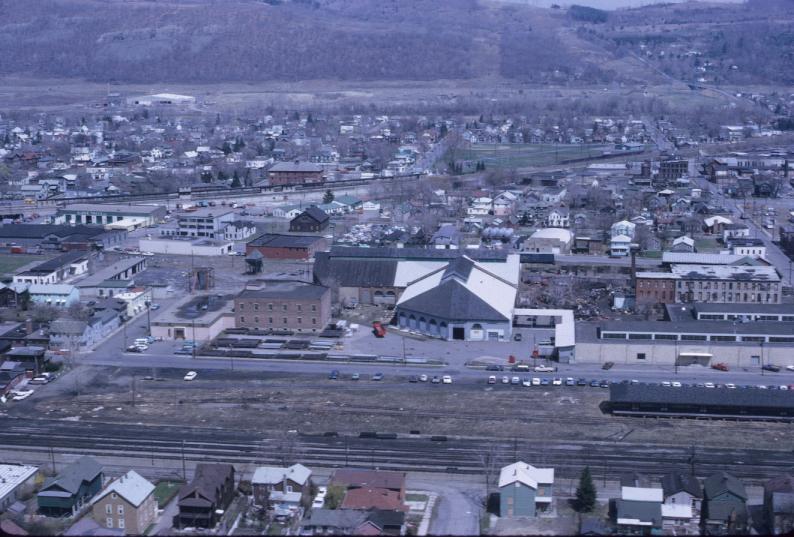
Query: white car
[492,379]
[20,395]
[675,384]
[731,386]
[446,379]
[557,382]
[535,381]
[191,375]
[505,380]
[783,387]
[544,369]
[709,385]
[422,378]
[667,383]
[147,254]
[790,367]
[526,383]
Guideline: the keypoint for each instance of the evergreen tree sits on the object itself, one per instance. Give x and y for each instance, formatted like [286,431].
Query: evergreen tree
[221,176]
[236,180]
[585,492]
[443,130]
[309,118]
[328,197]
[226,148]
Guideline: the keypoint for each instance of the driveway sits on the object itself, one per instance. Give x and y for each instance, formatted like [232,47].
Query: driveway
[458,506]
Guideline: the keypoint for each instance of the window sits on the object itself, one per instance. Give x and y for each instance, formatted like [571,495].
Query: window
[109,509]
[665,336]
[640,356]
[300,320]
[723,338]
[121,509]
[618,335]
[300,307]
[242,319]
[121,523]
[284,307]
[692,337]
[270,307]
[109,522]
[256,306]
[242,306]
[270,320]
[639,336]
[256,319]
[314,307]
[285,320]
[314,320]
[113,495]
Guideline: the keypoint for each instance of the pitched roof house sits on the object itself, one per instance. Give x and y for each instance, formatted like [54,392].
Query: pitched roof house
[211,489]
[66,493]
[724,503]
[127,503]
[524,490]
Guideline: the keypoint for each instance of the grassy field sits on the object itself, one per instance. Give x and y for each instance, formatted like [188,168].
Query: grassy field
[11,262]
[526,155]
[164,491]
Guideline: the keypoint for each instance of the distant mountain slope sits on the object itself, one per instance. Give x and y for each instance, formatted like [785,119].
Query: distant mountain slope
[205,41]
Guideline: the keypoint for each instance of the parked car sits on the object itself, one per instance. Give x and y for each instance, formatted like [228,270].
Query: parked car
[413,379]
[334,375]
[676,384]
[594,384]
[607,365]
[377,376]
[570,381]
[134,348]
[666,383]
[492,379]
[505,379]
[495,367]
[526,382]
[154,306]
[535,381]
[515,380]
[355,376]
[20,395]
[557,381]
[39,380]
[581,382]
[435,380]
[708,385]
[422,378]
[191,375]
[181,351]
[771,367]
[730,386]
[544,369]
[790,367]
[545,382]
[604,384]
[720,366]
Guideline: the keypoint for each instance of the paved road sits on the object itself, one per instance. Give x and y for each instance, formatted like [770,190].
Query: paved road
[458,505]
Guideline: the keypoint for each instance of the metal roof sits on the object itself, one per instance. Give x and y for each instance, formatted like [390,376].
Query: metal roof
[747,398]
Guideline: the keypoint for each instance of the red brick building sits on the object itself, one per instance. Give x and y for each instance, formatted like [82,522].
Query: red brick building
[655,290]
[299,306]
[295,173]
[275,246]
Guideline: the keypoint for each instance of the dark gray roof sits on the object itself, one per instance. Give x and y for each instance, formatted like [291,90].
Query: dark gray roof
[286,290]
[744,308]
[700,327]
[645,511]
[383,518]
[39,231]
[723,482]
[59,261]
[284,241]
[70,478]
[723,511]
[341,519]
[451,300]
[315,213]
[747,399]
[477,254]
[296,167]
[355,272]
[459,268]
[681,482]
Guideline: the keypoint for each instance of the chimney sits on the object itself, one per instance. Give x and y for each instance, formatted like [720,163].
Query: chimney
[28,325]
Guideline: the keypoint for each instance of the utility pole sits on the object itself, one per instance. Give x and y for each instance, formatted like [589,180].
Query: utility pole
[133,389]
[184,472]
[148,318]
[52,458]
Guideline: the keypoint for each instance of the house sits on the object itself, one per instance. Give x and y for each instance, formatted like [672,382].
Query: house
[735,231]
[311,220]
[745,246]
[56,295]
[211,490]
[446,236]
[638,511]
[481,206]
[350,478]
[779,505]
[620,246]
[267,479]
[558,218]
[682,501]
[67,493]
[353,522]
[373,498]
[127,503]
[525,490]
[624,227]
[716,224]
[683,244]
[295,173]
[73,333]
[724,504]
[549,240]
[16,479]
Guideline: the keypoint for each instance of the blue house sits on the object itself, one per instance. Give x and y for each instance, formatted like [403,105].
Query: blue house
[525,490]
[66,493]
[724,504]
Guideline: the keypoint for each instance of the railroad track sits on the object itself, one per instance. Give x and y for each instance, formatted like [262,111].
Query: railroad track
[408,453]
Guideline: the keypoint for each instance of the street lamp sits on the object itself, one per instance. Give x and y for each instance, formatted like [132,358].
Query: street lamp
[148,318]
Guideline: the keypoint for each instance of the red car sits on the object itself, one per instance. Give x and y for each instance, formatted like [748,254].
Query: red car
[378,330]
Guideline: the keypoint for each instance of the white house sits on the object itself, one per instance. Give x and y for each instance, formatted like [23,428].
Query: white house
[623,228]
[558,218]
[620,246]
[480,207]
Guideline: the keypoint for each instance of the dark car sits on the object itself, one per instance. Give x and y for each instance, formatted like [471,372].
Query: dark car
[334,375]
[133,348]
[594,384]
[604,384]
[545,382]
[607,365]
[436,379]
[771,367]
[517,336]
[581,382]
[377,376]
[494,367]
[413,378]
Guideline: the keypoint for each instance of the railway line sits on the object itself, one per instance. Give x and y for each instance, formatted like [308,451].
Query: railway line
[405,453]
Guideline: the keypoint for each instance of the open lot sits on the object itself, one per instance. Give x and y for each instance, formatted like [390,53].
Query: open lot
[269,403]
[11,263]
[525,155]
